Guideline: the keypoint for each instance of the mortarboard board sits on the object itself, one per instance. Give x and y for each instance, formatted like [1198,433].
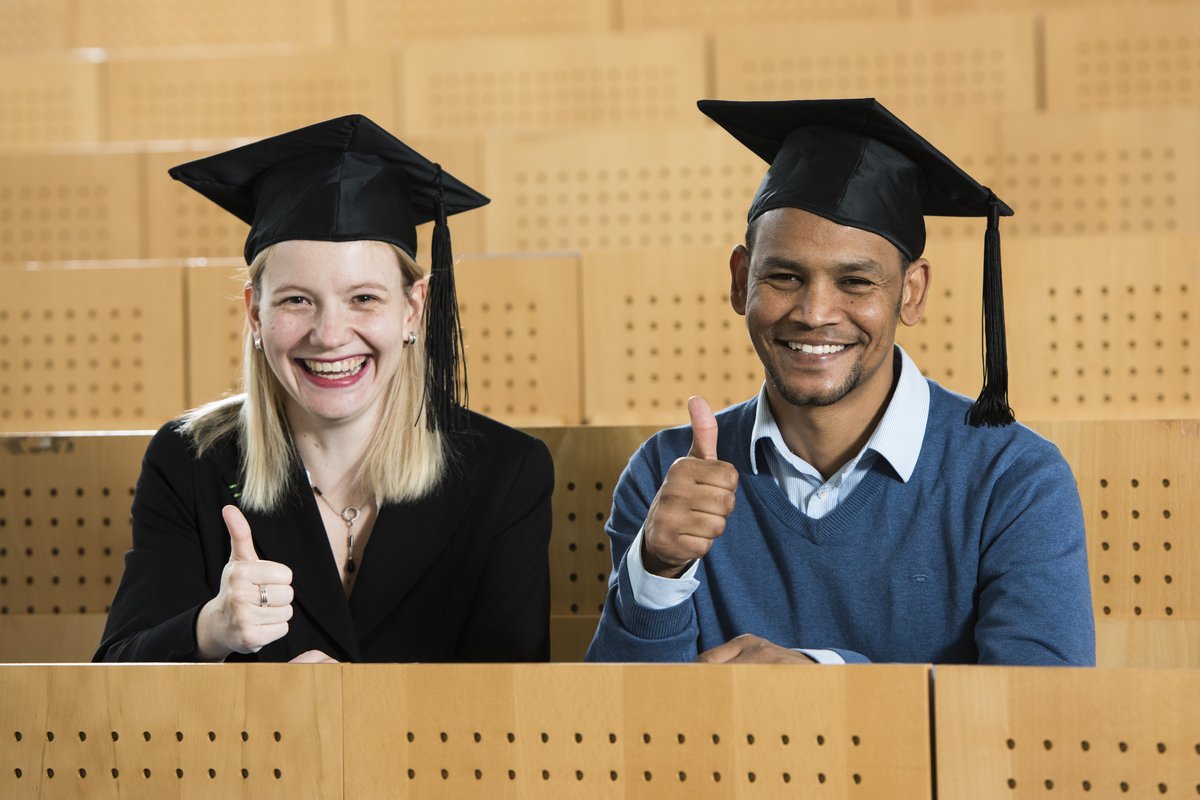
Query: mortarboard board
[347,179]
[855,163]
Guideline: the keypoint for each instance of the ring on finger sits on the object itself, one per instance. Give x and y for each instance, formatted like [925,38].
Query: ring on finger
[263,602]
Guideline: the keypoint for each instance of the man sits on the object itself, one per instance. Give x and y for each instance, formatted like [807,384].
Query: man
[853,511]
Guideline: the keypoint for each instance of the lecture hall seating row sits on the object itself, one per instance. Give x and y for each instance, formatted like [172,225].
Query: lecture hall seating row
[1097,328]
[898,732]
[64,528]
[1013,61]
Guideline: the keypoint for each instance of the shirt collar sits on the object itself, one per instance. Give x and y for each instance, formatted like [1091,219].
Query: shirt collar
[897,438]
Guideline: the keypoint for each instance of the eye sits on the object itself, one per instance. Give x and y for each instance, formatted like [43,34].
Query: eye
[857,283]
[366,298]
[294,300]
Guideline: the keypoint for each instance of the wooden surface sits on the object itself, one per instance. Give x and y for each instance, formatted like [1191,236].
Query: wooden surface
[237,731]
[1007,732]
[48,99]
[383,21]
[216,324]
[68,638]
[987,65]
[171,23]
[715,15]
[533,83]
[622,731]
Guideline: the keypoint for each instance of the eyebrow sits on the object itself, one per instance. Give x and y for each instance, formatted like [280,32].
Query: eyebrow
[358,287]
[854,265]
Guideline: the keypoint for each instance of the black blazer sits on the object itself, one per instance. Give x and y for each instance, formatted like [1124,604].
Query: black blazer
[462,575]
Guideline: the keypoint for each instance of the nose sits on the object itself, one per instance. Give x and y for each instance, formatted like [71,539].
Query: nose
[331,328]
[817,304]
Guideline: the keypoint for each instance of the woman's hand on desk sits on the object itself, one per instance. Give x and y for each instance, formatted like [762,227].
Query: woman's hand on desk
[254,604]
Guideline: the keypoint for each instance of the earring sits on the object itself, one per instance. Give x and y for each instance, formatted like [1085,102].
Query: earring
[258,343]
[411,338]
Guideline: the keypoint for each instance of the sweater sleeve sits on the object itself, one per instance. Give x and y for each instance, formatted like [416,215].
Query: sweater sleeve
[1034,597]
[629,631]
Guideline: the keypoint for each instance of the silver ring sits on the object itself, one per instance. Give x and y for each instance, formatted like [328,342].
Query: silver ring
[262,596]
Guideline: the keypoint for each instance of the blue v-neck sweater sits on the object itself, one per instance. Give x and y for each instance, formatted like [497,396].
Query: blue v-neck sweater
[979,558]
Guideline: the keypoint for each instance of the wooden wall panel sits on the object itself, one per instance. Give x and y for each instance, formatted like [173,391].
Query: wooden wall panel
[66,205]
[49,100]
[716,15]
[171,23]
[247,92]
[216,322]
[35,26]
[532,83]
[90,349]
[380,21]
[180,222]
[984,63]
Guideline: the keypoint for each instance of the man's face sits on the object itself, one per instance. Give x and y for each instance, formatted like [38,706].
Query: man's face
[821,302]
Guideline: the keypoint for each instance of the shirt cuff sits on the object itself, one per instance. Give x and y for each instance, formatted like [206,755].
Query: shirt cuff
[823,656]
[653,591]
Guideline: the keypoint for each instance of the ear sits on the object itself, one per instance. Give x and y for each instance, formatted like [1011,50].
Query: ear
[252,310]
[915,292]
[739,275]
[417,293]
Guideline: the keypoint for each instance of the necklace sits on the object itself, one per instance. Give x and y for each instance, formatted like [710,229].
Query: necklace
[349,515]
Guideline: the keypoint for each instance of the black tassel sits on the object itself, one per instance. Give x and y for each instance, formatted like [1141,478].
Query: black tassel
[991,408]
[445,393]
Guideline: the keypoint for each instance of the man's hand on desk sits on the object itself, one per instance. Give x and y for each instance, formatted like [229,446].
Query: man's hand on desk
[751,649]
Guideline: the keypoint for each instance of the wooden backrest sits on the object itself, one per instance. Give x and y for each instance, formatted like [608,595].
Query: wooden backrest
[985,63]
[250,92]
[64,521]
[49,99]
[715,15]
[652,731]
[69,205]
[380,21]
[1139,486]
[131,23]
[90,349]
[1129,172]
[1007,732]
[531,83]
[1112,57]
[35,26]
[158,731]
[216,322]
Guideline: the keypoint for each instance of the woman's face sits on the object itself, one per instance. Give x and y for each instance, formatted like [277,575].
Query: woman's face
[333,318]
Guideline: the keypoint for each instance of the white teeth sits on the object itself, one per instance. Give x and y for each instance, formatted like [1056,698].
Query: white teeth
[817,349]
[336,369]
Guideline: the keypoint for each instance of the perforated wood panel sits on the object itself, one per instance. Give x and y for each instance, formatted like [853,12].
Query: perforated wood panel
[216,320]
[49,100]
[50,638]
[1049,732]
[64,521]
[659,329]
[245,92]
[90,349]
[60,206]
[716,15]
[1110,57]
[1139,486]
[1103,172]
[182,223]
[924,7]
[653,731]
[1104,327]
[681,186]
[165,23]
[985,64]
[947,343]
[410,20]
[521,331]
[576,81]
[32,26]
[587,463]
[155,731]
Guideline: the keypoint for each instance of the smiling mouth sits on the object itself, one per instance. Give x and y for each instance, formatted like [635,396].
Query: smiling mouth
[333,370]
[816,349]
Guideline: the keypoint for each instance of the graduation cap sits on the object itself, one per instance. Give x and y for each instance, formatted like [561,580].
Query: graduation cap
[348,179]
[855,163]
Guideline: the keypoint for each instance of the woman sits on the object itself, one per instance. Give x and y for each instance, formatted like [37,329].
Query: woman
[346,507]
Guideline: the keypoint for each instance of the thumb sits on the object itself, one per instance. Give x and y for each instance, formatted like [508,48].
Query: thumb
[241,546]
[704,429]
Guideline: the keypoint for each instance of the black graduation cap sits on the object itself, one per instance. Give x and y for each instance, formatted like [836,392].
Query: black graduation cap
[855,163]
[348,179]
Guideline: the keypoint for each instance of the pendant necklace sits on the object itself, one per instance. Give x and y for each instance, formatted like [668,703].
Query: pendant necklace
[348,514]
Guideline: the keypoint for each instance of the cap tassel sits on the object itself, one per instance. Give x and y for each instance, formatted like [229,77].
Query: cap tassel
[991,408]
[443,331]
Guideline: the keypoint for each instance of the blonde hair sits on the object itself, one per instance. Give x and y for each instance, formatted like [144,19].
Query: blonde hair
[403,462]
